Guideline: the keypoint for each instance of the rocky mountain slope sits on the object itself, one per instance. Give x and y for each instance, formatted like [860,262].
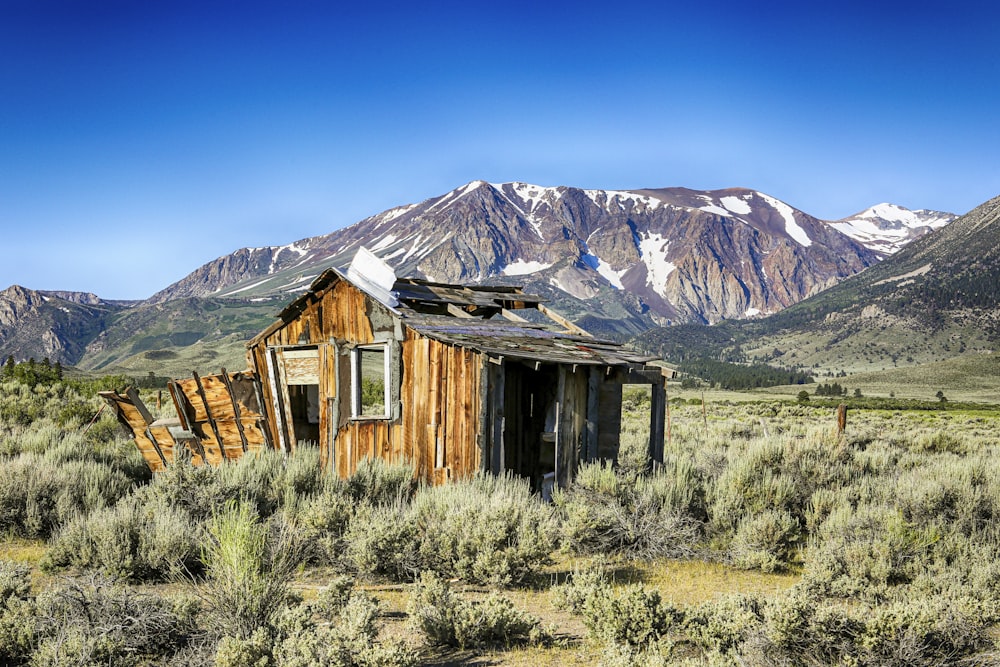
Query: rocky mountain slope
[937,298]
[645,257]
[56,325]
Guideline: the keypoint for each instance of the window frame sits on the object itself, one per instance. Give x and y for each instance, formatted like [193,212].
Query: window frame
[356,369]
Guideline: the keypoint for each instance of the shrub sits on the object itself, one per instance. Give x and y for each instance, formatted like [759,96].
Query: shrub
[130,541]
[381,483]
[765,542]
[723,625]
[444,618]
[489,530]
[95,621]
[17,613]
[632,616]
[382,541]
[37,496]
[324,519]
[651,516]
[866,551]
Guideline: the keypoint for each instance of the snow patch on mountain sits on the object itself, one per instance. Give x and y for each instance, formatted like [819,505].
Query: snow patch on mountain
[393,213]
[384,242]
[523,268]
[792,228]
[717,210]
[886,228]
[603,198]
[455,195]
[736,205]
[531,196]
[604,269]
[653,250]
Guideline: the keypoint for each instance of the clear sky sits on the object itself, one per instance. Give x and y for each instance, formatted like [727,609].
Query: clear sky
[140,139]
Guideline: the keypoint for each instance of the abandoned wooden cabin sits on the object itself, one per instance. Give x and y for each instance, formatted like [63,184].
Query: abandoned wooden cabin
[450,379]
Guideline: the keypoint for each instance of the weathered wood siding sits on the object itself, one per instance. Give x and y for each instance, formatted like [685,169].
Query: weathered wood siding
[435,405]
[152,439]
[437,424]
[222,410]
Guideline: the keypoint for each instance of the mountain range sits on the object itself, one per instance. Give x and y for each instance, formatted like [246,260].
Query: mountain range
[619,262]
[934,300]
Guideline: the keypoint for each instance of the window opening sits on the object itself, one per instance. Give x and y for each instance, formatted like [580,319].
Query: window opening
[370,379]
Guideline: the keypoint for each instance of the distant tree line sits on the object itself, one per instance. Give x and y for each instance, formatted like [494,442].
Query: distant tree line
[727,375]
[45,373]
[31,372]
[831,390]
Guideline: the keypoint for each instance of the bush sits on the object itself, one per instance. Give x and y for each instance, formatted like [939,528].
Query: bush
[632,616]
[652,516]
[95,621]
[17,613]
[488,530]
[723,625]
[765,542]
[444,618]
[308,635]
[381,483]
[38,495]
[866,551]
[382,541]
[130,540]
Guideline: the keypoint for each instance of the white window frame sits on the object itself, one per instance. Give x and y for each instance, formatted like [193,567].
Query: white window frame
[386,350]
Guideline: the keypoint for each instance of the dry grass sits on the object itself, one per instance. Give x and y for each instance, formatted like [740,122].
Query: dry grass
[680,582]
[22,550]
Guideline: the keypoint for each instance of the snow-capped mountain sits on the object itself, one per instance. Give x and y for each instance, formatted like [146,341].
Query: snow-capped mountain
[886,228]
[629,258]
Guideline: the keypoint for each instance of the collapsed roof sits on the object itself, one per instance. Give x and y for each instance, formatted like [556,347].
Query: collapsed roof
[499,320]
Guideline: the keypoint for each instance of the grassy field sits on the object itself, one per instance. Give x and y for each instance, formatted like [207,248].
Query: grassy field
[763,536]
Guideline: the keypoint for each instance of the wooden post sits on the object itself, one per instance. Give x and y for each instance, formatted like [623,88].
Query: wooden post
[666,400]
[841,419]
[704,414]
[658,396]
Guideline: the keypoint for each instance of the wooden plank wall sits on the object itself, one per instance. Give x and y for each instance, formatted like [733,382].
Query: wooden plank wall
[439,390]
[155,444]
[573,422]
[211,412]
[337,313]
[438,425]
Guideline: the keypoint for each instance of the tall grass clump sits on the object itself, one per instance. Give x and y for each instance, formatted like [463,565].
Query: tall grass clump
[249,564]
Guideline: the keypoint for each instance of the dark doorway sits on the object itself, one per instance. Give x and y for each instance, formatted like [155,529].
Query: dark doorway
[531,421]
[303,400]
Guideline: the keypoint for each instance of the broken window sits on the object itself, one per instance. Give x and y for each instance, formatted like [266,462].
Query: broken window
[370,382]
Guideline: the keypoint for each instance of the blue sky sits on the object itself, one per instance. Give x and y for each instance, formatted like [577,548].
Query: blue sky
[139,140]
